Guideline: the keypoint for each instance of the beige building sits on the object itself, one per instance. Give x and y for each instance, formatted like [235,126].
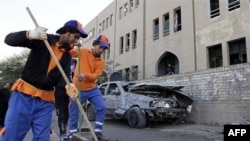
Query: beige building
[190,35]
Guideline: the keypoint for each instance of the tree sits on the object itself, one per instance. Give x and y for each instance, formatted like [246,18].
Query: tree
[11,68]
[102,79]
[108,68]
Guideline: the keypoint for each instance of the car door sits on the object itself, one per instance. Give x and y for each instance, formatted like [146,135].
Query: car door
[112,99]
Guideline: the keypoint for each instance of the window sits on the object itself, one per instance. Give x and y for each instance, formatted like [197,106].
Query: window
[156,29]
[126,75]
[166,25]
[90,34]
[120,71]
[111,19]
[93,33]
[177,20]
[134,72]
[111,88]
[237,51]
[127,41]
[107,22]
[103,88]
[108,53]
[103,25]
[134,38]
[100,27]
[104,55]
[125,9]
[136,3]
[214,8]
[233,4]
[131,5]
[121,45]
[215,56]
[120,12]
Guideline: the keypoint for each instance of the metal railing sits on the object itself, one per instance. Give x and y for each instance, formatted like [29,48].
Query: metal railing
[156,36]
[233,5]
[215,13]
[165,32]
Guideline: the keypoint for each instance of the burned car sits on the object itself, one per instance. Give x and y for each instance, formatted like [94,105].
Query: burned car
[142,103]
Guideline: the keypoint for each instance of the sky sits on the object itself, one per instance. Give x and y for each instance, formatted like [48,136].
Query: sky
[51,14]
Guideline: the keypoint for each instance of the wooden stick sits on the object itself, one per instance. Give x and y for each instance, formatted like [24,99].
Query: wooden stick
[64,77]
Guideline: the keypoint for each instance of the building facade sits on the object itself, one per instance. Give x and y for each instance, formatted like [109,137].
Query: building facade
[190,35]
[205,41]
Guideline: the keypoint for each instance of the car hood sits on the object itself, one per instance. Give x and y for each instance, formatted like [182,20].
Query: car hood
[157,90]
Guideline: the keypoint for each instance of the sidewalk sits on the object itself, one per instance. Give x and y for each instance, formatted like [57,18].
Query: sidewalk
[118,130]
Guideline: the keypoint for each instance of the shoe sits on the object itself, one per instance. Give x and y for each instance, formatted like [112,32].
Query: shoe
[64,138]
[69,136]
[100,137]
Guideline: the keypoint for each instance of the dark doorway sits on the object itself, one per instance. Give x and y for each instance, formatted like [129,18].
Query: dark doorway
[164,60]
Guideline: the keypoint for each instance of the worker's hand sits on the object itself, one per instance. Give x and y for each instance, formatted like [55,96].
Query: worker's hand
[39,33]
[78,43]
[81,77]
[75,46]
[72,91]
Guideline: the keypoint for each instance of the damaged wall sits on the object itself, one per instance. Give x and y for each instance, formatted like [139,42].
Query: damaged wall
[221,95]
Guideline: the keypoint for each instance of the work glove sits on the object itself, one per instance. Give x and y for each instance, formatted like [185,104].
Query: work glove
[39,33]
[71,91]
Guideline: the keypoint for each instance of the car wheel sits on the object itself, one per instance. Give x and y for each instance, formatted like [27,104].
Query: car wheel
[91,112]
[136,118]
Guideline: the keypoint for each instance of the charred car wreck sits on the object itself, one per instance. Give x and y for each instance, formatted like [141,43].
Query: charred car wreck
[142,103]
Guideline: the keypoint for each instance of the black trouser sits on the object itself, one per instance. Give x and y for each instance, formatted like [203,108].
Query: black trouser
[62,103]
[3,110]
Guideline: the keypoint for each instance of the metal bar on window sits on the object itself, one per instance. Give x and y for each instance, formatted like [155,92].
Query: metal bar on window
[215,12]
[233,5]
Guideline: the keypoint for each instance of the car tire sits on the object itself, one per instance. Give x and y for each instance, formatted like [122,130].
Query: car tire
[136,118]
[91,112]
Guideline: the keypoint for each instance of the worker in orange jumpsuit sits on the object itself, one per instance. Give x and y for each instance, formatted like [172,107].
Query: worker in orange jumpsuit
[91,68]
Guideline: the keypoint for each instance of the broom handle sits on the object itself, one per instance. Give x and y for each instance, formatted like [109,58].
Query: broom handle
[64,77]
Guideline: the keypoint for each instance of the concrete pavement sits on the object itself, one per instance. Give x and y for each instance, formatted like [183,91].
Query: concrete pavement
[119,131]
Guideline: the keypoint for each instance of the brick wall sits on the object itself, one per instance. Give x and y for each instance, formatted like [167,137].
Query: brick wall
[221,95]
